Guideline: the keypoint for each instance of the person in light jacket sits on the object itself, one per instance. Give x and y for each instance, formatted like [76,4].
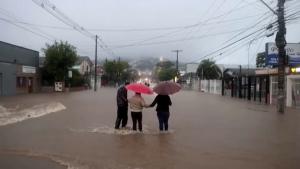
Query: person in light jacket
[137,104]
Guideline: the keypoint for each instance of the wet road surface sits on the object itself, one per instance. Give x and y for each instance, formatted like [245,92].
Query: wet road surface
[206,131]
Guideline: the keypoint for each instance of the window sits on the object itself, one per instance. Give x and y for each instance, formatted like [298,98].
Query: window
[87,68]
[21,81]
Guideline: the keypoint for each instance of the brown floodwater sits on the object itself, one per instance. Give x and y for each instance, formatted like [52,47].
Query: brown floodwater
[206,131]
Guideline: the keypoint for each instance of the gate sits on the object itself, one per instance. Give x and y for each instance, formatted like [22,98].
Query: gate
[254,88]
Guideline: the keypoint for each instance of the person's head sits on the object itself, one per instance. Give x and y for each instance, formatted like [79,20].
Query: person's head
[127,83]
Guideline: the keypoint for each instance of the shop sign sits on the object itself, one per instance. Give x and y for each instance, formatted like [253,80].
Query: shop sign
[295,70]
[28,69]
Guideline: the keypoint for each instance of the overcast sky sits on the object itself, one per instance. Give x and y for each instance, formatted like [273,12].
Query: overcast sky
[127,22]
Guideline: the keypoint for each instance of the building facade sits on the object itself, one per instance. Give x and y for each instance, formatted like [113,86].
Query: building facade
[19,70]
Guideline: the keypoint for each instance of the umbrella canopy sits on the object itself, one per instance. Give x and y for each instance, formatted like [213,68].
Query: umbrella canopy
[139,88]
[167,88]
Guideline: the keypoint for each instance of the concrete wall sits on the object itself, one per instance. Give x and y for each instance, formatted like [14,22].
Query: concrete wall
[47,88]
[14,54]
[8,80]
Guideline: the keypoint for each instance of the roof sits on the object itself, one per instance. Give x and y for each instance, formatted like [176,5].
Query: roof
[18,46]
[81,59]
[243,71]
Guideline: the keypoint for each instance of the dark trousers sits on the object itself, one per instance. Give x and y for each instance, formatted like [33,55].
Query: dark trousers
[163,118]
[137,117]
[122,117]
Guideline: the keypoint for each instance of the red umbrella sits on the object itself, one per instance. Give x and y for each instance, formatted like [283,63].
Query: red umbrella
[139,88]
[166,88]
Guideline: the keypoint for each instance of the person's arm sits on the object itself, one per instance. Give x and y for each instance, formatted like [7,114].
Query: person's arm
[170,102]
[144,104]
[124,95]
[154,102]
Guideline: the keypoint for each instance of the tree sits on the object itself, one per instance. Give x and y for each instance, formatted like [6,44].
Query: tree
[59,58]
[125,76]
[166,74]
[261,60]
[227,78]
[117,70]
[110,69]
[210,70]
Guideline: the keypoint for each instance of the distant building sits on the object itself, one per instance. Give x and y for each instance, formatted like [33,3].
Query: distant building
[83,65]
[19,70]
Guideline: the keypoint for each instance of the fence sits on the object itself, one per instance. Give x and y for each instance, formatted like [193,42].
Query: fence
[209,86]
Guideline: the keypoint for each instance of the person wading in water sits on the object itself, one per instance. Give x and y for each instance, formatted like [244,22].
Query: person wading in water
[122,103]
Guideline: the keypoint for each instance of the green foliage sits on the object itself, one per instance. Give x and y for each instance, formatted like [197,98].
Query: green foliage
[227,78]
[77,79]
[59,57]
[125,76]
[210,70]
[260,60]
[166,74]
[105,77]
[116,70]
[110,70]
[47,78]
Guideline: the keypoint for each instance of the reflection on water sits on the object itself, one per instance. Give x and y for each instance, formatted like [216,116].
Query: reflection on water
[8,116]
[124,131]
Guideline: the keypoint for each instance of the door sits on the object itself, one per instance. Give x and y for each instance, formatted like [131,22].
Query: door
[30,85]
[296,93]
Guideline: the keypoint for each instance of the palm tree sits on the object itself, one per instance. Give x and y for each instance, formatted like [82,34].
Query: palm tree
[210,70]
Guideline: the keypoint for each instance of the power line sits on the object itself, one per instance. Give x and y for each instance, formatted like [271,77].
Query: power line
[45,4]
[222,18]
[199,20]
[177,30]
[212,16]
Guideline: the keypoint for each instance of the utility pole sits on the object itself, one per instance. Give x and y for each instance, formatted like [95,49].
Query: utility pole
[281,43]
[95,78]
[282,58]
[177,60]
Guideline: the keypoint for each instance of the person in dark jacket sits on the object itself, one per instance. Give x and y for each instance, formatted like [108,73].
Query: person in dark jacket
[122,103]
[163,113]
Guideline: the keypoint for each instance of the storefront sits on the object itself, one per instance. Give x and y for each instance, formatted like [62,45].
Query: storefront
[293,87]
[19,70]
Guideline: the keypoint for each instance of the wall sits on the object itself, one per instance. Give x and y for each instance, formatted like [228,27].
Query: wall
[83,68]
[8,81]
[47,88]
[9,53]
[37,78]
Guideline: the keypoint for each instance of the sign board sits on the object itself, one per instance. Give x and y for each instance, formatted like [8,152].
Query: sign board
[70,74]
[295,70]
[292,50]
[266,71]
[28,69]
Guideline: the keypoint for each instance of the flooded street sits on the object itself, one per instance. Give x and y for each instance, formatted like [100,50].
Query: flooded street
[206,131]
